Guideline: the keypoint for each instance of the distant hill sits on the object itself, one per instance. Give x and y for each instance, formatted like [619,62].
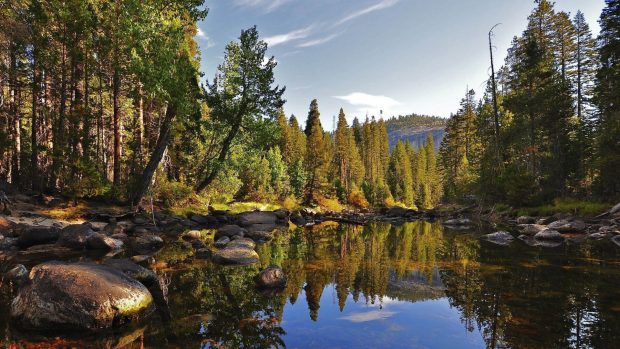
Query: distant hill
[414,128]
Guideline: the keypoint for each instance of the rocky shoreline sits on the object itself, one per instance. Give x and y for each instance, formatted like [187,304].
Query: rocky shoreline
[119,285]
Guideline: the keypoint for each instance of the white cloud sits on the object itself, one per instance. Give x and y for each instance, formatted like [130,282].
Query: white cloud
[373,102]
[204,40]
[318,41]
[290,36]
[267,5]
[372,315]
[383,4]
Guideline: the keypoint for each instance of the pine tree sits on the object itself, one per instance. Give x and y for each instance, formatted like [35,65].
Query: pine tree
[607,97]
[317,153]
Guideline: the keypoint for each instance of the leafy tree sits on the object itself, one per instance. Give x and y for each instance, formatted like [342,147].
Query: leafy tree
[240,93]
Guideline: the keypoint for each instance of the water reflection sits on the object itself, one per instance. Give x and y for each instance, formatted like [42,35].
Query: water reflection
[397,286]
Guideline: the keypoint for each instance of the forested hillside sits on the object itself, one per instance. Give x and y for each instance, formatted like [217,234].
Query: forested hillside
[414,128]
[102,99]
[548,124]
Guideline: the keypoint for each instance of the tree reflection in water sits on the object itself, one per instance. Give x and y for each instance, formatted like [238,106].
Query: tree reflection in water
[515,297]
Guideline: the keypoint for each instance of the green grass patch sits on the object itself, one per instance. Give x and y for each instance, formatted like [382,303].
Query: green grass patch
[572,206]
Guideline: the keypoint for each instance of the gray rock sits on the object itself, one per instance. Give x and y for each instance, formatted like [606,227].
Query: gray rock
[99,241]
[142,259]
[75,236]
[597,236]
[615,209]
[500,238]
[146,276]
[222,242]
[192,234]
[247,219]
[38,236]
[230,231]
[80,296]
[565,226]
[458,221]
[140,221]
[259,235]
[120,236]
[549,234]
[526,220]
[616,240]
[146,242]
[242,242]
[272,277]
[298,219]
[531,229]
[200,219]
[203,253]
[18,274]
[238,254]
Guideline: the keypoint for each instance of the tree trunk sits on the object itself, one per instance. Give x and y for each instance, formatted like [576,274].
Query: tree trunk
[222,156]
[34,155]
[116,88]
[14,108]
[146,179]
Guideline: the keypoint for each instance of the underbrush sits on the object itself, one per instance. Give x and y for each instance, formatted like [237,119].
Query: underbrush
[572,206]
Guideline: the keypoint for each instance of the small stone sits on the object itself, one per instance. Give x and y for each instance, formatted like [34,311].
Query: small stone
[526,220]
[272,277]
[222,242]
[500,238]
[203,253]
[549,234]
[531,229]
[192,234]
[101,242]
[18,274]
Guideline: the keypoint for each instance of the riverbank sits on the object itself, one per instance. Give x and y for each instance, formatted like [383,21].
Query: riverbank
[113,247]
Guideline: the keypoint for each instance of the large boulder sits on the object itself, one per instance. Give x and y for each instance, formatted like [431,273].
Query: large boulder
[79,296]
[38,236]
[75,236]
[230,231]
[500,238]
[272,277]
[396,211]
[566,226]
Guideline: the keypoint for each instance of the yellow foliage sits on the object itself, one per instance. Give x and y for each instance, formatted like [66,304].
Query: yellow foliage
[290,203]
[328,204]
[356,198]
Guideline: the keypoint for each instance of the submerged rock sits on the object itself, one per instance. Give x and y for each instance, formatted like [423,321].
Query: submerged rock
[500,238]
[80,296]
[549,234]
[38,236]
[272,277]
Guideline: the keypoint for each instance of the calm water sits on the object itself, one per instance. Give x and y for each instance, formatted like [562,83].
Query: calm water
[413,286]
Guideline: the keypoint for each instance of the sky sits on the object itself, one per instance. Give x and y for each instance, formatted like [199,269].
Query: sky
[399,56]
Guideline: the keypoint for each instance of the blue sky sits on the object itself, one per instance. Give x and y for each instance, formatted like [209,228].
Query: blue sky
[400,56]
